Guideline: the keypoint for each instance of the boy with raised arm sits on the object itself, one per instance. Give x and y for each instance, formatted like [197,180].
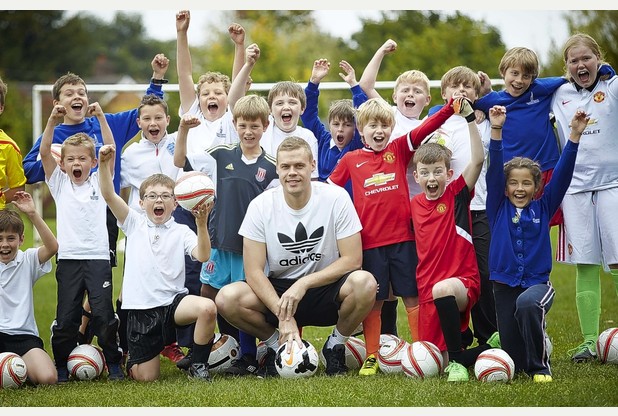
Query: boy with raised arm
[153,290]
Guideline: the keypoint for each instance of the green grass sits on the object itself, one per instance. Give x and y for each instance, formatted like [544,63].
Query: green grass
[582,385]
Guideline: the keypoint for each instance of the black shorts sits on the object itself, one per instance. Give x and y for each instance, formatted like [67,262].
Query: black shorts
[319,306]
[393,265]
[150,330]
[19,344]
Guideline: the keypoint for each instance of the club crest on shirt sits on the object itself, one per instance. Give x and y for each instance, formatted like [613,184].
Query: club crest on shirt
[389,157]
[441,208]
[599,97]
[260,175]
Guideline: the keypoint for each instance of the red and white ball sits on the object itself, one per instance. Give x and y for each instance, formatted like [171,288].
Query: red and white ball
[299,362]
[355,353]
[13,371]
[194,189]
[494,365]
[225,348]
[86,362]
[607,346]
[389,355]
[422,359]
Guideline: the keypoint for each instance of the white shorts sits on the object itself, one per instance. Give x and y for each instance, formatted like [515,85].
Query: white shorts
[589,234]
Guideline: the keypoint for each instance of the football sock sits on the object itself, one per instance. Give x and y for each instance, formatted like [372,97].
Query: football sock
[389,317]
[201,352]
[448,312]
[588,299]
[614,273]
[413,322]
[273,341]
[371,330]
[248,344]
[336,338]
[122,326]
[226,328]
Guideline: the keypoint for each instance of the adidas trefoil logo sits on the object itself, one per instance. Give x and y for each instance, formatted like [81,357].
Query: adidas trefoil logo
[301,244]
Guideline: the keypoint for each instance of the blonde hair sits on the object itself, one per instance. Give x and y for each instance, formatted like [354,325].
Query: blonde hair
[252,107]
[79,140]
[412,76]
[374,109]
[461,75]
[429,153]
[212,78]
[523,57]
[287,88]
[585,40]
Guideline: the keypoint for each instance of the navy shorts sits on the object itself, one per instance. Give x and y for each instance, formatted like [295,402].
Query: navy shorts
[393,266]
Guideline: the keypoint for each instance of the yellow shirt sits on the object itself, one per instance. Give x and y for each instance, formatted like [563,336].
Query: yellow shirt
[11,167]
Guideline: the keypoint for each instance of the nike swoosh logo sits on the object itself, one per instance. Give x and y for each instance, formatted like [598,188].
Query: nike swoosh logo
[290,359]
[565,102]
[358,165]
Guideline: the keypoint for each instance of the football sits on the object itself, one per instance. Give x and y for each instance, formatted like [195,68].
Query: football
[607,346]
[389,355]
[55,151]
[386,337]
[86,362]
[549,346]
[421,359]
[300,362]
[225,348]
[494,365]
[13,371]
[194,189]
[355,353]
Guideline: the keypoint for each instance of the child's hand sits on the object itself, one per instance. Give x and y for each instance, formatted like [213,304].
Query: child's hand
[485,83]
[106,152]
[320,70]
[237,33]
[578,125]
[182,20]
[95,109]
[389,46]
[497,115]
[188,121]
[160,63]
[57,114]
[252,54]
[348,74]
[203,210]
[479,116]
[24,202]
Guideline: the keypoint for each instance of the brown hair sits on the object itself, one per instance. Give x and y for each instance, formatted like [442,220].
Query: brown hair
[151,100]
[342,110]
[10,221]
[71,79]
[461,75]
[3,90]
[519,162]
[429,153]
[287,88]
[520,56]
[294,143]
[156,179]
[79,139]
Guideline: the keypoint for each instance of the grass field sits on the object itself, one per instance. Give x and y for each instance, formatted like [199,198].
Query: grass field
[582,385]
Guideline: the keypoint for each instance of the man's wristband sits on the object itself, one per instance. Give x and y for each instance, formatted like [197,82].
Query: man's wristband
[158,81]
[496,127]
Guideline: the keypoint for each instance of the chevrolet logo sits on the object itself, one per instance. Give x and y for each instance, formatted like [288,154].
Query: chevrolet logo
[379,179]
